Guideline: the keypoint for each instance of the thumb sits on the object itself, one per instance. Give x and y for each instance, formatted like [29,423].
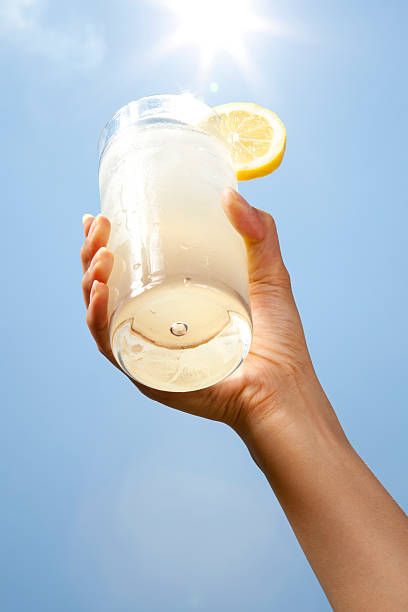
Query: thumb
[258,229]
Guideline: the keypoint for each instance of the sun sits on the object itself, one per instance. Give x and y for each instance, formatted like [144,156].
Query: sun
[213,28]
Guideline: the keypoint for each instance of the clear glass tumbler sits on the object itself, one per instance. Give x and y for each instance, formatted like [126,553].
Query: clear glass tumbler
[179,310]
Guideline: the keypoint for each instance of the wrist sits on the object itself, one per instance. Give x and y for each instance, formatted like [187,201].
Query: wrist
[295,418]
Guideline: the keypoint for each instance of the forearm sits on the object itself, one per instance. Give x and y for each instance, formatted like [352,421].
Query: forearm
[353,533]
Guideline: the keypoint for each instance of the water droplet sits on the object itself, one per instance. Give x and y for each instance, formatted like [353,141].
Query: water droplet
[137,348]
[179,329]
[136,266]
[121,264]
[117,219]
[157,276]
[186,246]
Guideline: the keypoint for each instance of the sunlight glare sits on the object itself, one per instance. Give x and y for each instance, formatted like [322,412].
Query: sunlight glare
[214,27]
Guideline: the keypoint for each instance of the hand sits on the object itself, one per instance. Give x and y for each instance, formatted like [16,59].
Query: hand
[278,357]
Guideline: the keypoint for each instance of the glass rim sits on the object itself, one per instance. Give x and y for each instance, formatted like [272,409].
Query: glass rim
[182,109]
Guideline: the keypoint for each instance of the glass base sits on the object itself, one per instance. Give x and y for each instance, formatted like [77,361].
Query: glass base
[181,336]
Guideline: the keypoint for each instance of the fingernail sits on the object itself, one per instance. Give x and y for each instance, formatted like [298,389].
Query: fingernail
[251,222]
[85,217]
[100,251]
[236,197]
[93,225]
[239,199]
[229,192]
[97,256]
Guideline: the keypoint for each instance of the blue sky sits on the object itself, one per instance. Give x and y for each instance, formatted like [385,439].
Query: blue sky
[111,502]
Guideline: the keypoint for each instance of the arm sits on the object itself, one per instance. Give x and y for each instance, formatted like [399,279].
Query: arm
[353,533]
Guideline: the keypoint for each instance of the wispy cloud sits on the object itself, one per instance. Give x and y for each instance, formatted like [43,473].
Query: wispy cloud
[22,24]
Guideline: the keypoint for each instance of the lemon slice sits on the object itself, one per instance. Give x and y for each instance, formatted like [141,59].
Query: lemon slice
[256,135]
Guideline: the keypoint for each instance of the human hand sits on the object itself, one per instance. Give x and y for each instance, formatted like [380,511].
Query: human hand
[278,358]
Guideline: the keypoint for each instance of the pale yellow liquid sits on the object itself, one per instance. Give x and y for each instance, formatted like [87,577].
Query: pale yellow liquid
[179,313]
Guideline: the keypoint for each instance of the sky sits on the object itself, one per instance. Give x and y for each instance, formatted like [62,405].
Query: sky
[111,502]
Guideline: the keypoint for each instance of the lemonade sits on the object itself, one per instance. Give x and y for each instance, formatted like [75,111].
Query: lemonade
[179,307]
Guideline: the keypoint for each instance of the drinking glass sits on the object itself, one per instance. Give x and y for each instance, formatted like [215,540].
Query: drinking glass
[179,314]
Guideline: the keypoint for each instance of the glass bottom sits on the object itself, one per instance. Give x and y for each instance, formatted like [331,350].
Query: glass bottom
[181,335]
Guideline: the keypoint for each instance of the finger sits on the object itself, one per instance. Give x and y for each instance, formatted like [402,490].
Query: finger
[265,263]
[99,269]
[97,318]
[98,236]
[87,222]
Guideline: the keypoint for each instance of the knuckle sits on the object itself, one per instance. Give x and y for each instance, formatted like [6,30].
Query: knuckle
[283,277]
[284,272]
[85,282]
[277,278]
[269,220]
[89,320]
